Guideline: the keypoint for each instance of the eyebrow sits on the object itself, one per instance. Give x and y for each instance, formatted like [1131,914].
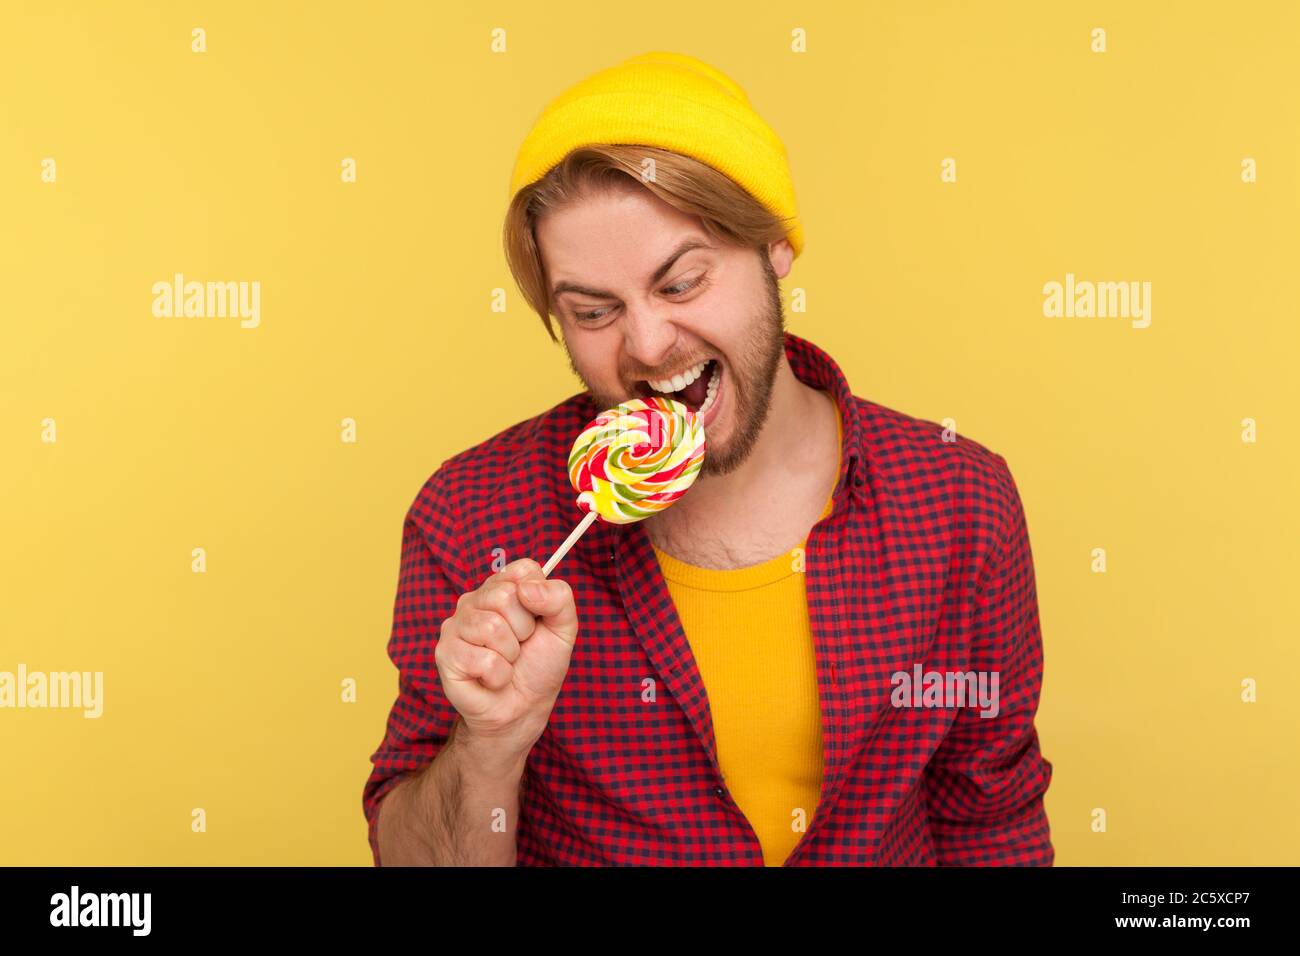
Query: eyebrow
[684,247]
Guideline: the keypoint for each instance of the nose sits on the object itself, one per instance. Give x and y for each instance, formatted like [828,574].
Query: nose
[648,336]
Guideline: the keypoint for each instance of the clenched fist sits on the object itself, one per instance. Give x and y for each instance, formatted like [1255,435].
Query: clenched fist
[503,655]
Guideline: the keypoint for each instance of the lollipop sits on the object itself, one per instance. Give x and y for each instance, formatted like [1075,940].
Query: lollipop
[632,461]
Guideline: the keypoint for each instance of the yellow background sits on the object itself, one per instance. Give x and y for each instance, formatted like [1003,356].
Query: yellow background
[222,690]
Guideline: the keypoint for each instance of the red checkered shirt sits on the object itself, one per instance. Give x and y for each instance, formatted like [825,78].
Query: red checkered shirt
[924,559]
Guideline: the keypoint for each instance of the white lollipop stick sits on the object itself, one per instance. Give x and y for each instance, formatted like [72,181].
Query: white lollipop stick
[569,542]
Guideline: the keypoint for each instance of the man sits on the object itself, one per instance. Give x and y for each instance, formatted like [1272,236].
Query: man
[764,672]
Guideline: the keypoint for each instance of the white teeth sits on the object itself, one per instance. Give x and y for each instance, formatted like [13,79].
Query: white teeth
[712,391]
[679,381]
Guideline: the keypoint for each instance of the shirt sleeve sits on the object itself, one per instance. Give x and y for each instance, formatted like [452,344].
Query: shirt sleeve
[421,718]
[984,785]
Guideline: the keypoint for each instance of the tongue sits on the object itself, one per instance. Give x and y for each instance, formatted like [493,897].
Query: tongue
[693,395]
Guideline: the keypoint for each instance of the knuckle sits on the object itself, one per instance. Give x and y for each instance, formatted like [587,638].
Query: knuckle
[493,626]
[488,663]
[448,634]
[446,658]
[465,624]
[500,668]
[499,598]
[506,595]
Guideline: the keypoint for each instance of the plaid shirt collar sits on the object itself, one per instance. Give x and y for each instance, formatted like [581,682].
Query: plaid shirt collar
[818,370]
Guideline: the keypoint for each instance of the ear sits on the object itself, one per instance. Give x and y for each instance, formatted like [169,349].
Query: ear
[781,255]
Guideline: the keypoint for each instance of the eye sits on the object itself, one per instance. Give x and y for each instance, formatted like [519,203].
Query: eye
[683,287]
[593,316]
[677,289]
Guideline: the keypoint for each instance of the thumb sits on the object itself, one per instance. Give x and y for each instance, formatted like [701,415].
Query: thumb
[552,602]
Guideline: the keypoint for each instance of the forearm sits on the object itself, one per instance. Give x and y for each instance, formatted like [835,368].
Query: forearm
[460,810]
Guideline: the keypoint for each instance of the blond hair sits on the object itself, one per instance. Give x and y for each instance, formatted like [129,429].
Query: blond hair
[727,211]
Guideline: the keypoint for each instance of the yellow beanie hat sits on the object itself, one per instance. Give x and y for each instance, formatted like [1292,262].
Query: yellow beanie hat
[675,102]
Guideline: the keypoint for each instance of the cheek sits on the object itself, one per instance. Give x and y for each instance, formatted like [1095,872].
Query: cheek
[724,312]
[596,358]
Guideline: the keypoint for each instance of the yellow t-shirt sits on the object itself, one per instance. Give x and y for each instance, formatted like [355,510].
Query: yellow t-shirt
[749,632]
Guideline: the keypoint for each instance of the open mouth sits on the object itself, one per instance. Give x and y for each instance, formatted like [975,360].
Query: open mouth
[695,388]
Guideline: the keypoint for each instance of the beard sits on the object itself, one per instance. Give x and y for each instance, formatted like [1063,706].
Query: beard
[750,378]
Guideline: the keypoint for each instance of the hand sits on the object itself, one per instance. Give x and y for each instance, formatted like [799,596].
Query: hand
[503,655]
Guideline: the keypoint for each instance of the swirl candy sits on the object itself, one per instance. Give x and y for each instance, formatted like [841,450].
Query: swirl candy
[632,461]
[636,459]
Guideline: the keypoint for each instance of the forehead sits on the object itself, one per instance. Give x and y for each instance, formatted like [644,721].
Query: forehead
[612,235]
